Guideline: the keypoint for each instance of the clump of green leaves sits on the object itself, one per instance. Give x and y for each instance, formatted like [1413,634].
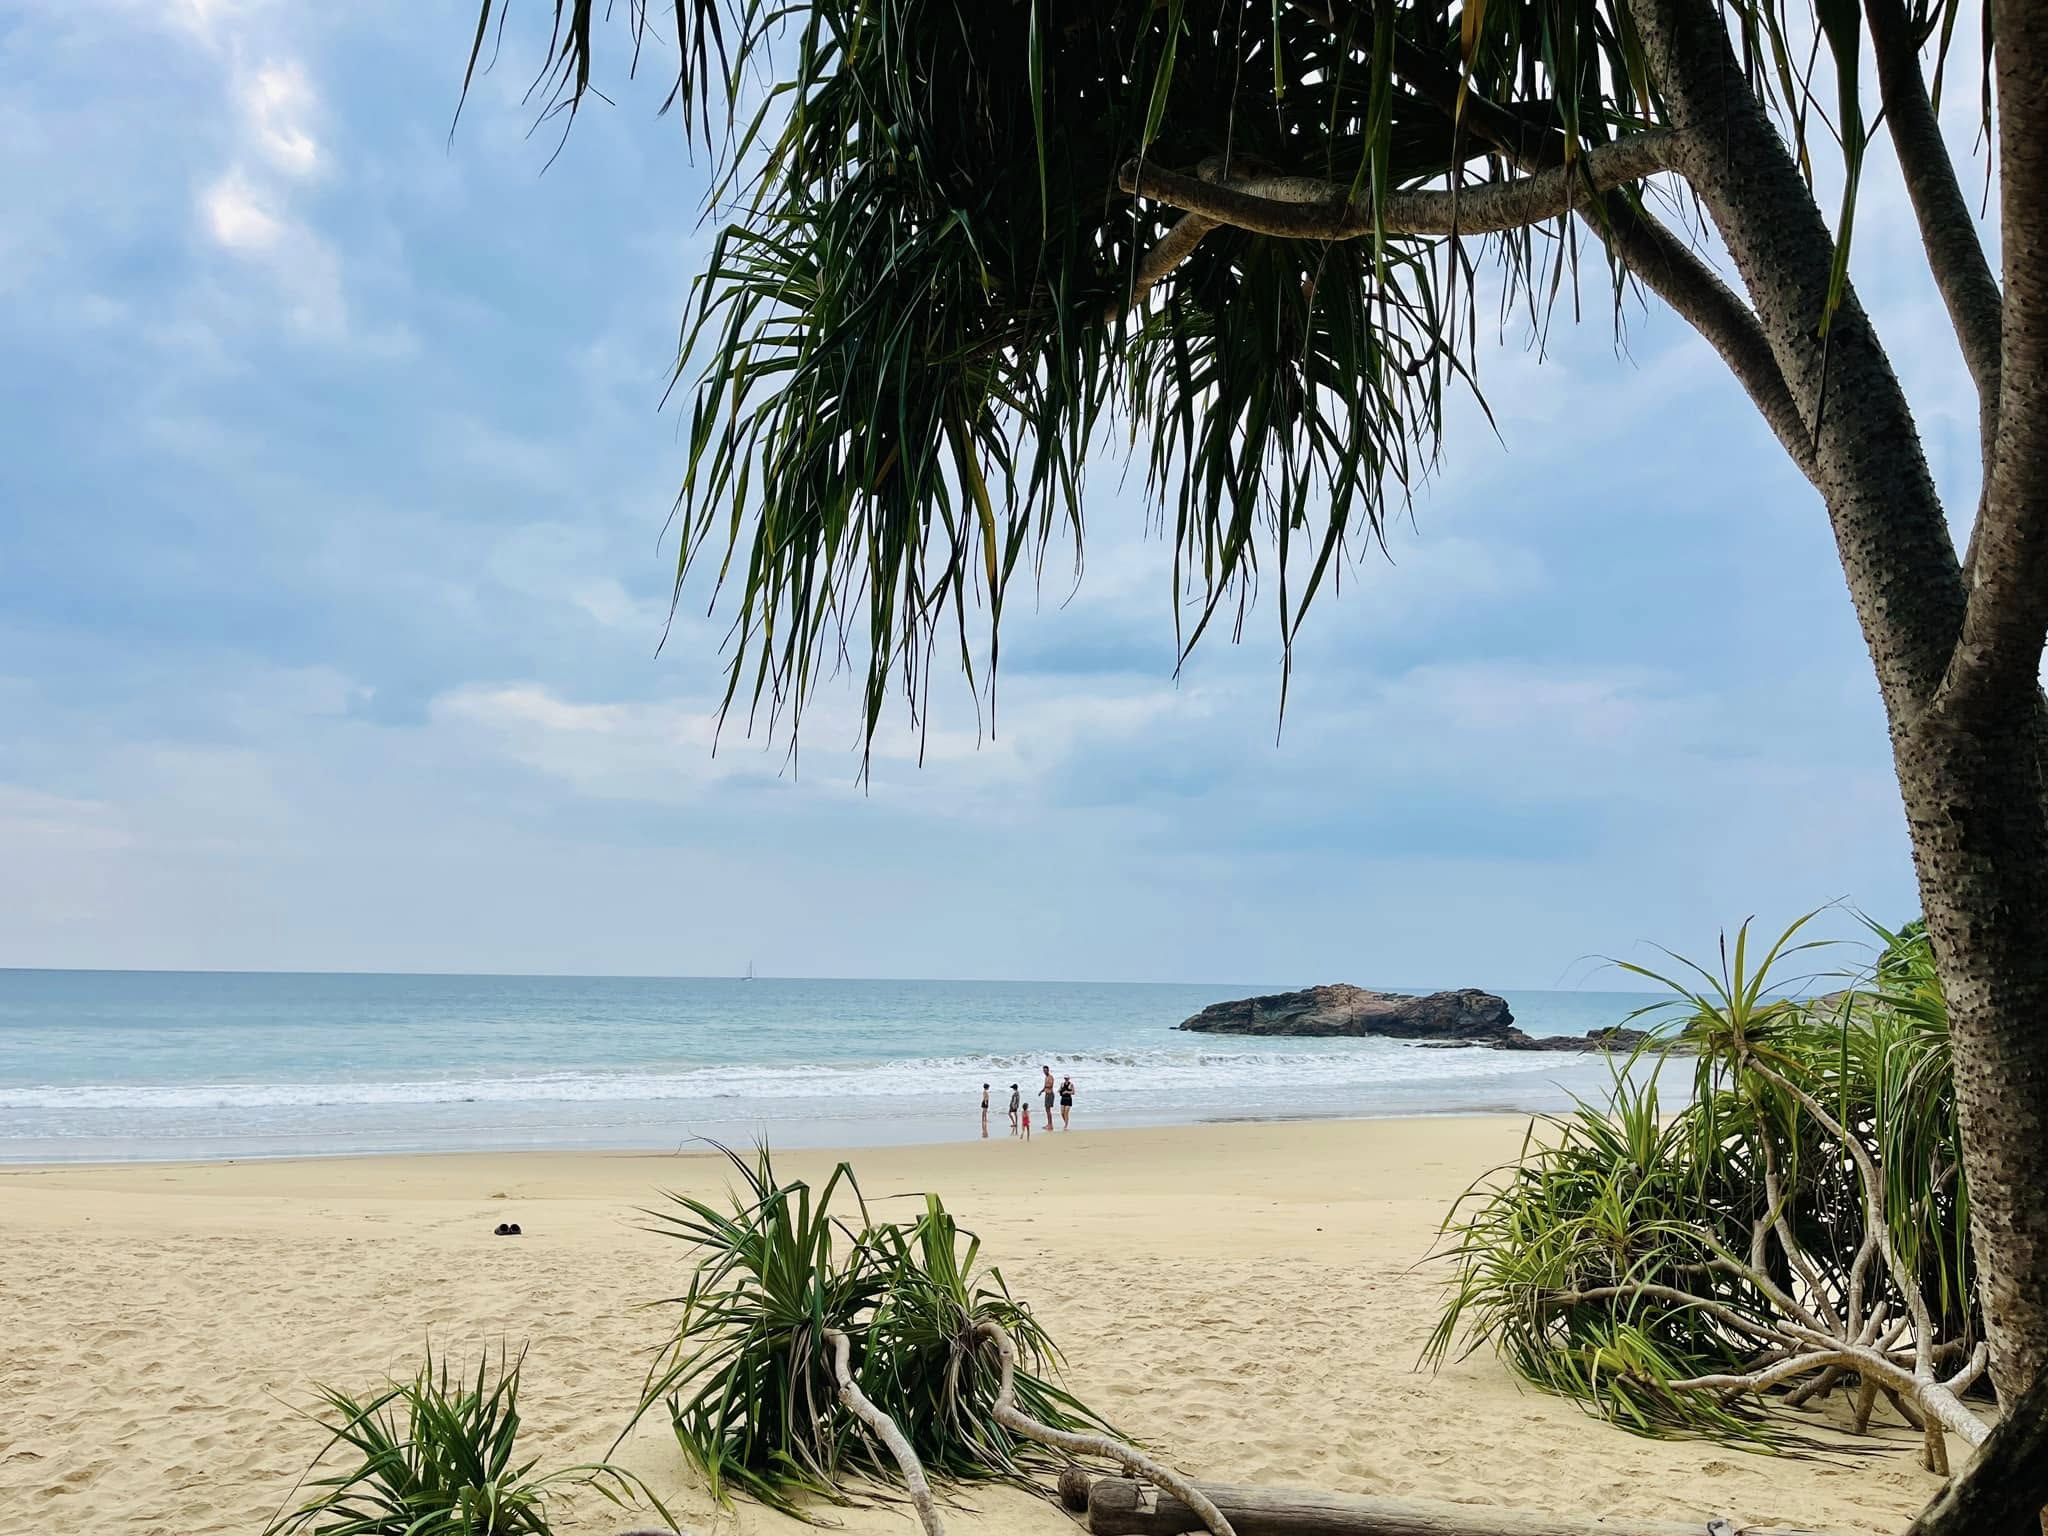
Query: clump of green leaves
[438,1456]
[1601,1198]
[1655,1263]
[747,1377]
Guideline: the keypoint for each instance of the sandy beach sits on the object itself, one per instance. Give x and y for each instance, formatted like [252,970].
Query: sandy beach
[1247,1297]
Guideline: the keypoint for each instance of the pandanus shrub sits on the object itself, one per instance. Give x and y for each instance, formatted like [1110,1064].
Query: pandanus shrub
[748,1375]
[1797,1224]
[438,1455]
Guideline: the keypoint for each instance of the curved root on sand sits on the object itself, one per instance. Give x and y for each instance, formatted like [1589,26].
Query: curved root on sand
[856,1403]
[1134,1461]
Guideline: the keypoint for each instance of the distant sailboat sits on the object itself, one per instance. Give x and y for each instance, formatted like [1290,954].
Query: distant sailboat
[750,972]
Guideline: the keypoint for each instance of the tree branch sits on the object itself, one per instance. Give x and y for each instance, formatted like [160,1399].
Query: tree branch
[1795,1253]
[1173,248]
[1309,208]
[1867,1175]
[1662,263]
[1998,660]
[1657,259]
[1728,1316]
[1757,1381]
[1648,251]
[1954,253]
[1890,531]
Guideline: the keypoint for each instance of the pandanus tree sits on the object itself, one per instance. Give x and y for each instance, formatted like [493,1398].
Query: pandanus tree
[792,1307]
[965,244]
[1789,1226]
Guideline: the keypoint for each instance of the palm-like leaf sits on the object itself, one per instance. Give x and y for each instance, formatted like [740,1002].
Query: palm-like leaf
[915,334]
[1621,1195]
[748,1376]
[438,1456]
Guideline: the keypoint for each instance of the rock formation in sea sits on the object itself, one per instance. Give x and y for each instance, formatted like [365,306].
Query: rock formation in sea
[1465,1017]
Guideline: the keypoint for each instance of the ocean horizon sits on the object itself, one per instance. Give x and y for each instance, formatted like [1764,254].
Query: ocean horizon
[206,1065]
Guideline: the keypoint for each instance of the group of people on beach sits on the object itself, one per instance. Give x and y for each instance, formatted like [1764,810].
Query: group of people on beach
[1020,1105]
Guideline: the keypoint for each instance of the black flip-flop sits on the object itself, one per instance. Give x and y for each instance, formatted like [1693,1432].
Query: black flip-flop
[506,1229]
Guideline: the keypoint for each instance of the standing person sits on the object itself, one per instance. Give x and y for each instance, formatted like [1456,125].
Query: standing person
[1015,1100]
[1027,1120]
[1066,1103]
[984,1111]
[1048,1090]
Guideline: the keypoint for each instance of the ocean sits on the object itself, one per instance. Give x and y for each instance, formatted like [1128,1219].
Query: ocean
[99,1065]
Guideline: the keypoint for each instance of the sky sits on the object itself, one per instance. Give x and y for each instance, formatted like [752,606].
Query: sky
[333,576]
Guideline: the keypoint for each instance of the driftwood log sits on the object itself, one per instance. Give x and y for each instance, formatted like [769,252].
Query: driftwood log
[1121,1506]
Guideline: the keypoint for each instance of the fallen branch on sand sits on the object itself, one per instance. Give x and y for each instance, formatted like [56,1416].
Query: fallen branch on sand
[1004,1410]
[1119,1506]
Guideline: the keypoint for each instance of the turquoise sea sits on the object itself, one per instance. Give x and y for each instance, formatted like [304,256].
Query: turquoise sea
[131,1064]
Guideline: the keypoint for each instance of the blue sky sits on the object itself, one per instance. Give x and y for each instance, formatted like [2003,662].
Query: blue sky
[332,571]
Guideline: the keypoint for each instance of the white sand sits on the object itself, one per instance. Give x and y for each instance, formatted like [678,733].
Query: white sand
[1246,1297]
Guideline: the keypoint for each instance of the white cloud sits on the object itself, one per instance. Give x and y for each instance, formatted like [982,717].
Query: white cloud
[672,751]
[277,101]
[250,209]
[250,222]
[236,216]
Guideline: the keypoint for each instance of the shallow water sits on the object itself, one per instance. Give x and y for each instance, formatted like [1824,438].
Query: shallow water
[114,1064]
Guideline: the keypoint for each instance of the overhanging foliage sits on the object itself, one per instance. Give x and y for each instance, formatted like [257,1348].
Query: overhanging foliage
[917,323]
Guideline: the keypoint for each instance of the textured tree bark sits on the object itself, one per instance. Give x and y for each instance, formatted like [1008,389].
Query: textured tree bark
[1973,768]
[1974,798]
[1954,254]
[1889,528]
[1968,758]
[1311,208]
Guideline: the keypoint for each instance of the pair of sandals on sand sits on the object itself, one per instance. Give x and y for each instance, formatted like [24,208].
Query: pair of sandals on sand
[506,1229]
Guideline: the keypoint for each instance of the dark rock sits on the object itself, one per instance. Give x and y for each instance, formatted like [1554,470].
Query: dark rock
[1444,1021]
[1614,1038]
[1467,1015]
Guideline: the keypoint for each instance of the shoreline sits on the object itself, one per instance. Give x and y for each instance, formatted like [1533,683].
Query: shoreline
[708,1146]
[1251,1299]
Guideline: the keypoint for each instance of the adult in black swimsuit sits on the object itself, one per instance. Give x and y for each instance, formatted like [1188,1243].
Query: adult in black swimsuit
[1066,1102]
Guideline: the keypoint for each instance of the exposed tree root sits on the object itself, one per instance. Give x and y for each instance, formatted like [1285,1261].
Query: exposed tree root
[856,1403]
[2004,1488]
[1134,1461]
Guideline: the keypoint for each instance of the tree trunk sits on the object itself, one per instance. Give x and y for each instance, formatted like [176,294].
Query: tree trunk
[1971,779]
[1974,799]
